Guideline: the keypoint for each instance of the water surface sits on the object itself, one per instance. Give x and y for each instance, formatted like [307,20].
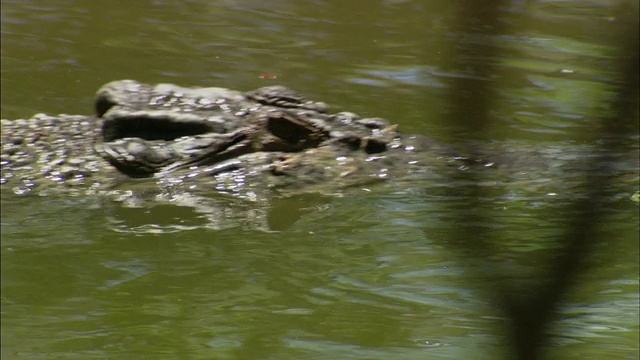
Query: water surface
[363,275]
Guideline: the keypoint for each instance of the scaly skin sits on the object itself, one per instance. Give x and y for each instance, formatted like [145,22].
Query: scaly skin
[210,137]
[56,154]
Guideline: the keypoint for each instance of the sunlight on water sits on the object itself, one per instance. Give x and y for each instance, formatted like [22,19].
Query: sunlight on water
[360,273]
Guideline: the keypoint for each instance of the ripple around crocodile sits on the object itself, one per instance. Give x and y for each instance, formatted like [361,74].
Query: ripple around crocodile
[221,139]
[149,145]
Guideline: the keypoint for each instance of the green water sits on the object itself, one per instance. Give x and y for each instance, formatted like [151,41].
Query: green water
[367,274]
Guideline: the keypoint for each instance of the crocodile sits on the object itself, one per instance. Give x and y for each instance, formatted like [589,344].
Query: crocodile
[214,139]
[278,155]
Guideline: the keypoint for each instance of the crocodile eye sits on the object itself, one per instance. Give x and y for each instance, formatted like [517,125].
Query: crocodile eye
[151,128]
[375,146]
[287,129]
[352,141]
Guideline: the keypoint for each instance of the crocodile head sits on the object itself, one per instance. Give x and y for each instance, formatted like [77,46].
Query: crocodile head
[150,129]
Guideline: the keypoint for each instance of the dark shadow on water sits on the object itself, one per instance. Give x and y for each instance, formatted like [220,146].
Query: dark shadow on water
[530,304]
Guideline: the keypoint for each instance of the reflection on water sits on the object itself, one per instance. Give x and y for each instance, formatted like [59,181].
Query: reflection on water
[362,275]
[366,274]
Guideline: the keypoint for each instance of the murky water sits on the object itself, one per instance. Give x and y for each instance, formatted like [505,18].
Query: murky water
[365,275]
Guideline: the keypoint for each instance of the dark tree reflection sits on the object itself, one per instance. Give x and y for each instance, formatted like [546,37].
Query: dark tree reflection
[530,313]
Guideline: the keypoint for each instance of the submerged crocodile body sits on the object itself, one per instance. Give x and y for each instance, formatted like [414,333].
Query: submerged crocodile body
[211,138]
[150,147]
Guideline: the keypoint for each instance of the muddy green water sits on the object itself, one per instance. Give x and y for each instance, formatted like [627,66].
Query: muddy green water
[364,275]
